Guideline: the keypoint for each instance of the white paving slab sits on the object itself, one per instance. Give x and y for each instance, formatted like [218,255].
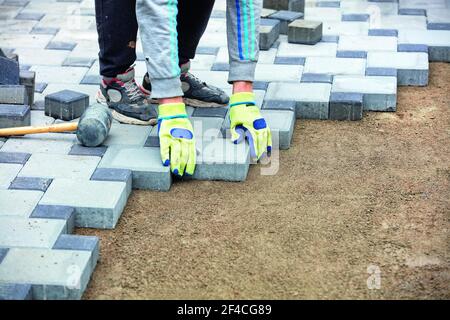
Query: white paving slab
[56,143]
[8,171]
[332,65]
[18,203]
[321,49]
[367,43]
[59,166]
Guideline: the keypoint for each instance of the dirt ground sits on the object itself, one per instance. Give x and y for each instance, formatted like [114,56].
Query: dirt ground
[348,196]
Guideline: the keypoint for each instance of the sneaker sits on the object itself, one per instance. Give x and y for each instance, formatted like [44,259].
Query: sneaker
[196,92]
[128,102]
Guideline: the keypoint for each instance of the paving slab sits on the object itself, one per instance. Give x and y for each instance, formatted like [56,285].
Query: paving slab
[51,143]
[14,157]
[18,203]
[14,115]
[412,67]
[9,71]
[379,93]
[311,98]
[266,72]
[98,204]
[62,213]
[8,173]
[268,33]
[285,17]
[80,243]
[30,233]
[367,43]
[52,274]
[338,28]
[206,127]
[145,164]
[108,174]
[281,123]
[59,166]
[220,159]
[438,42]
[66,105]
[30,183]
[438,19]
[13,94]
[128,135]
[321,49]
[305,32]
[346,106]
[334,65]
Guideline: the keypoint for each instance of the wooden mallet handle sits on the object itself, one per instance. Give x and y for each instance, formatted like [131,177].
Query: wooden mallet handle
[20,131]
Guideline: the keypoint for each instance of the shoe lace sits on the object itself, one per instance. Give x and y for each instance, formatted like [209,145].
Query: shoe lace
[133,90]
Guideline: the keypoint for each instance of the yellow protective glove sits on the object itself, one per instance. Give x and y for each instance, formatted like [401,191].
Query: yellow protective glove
[176,138]
[246,122]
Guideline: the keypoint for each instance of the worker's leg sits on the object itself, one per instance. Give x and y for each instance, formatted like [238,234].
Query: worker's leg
[158,29]
[192,22]
[117,31]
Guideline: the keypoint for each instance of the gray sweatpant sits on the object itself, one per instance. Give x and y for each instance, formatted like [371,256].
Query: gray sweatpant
[158,30]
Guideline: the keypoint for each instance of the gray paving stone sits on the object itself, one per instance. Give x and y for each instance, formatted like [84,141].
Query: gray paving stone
[8,172]
[381,72]
[64,213]
[281,123]
[304,32]
[412,67]
[121,175]
[346,106]
[276,4]
[30,183]
[66,105]
[14,291]
[80,243]
[285,17]
[145,164]
[44,30]
[317,78]
[351,54]
[220,159]
[9,71]
[279,105]
[290,60]
[405,47]
[30,233]
[80,150]
[215,112]
[60,45]
[438,19]
[14,115]
[13,94]
[51,143]
[311,98]
[383,32]
[40,87]
[78,62]
[438,42]
[127,135]
[13,157]
[268,33]
[98,204]
[335,66]
[28,79]
[206,127]
[53,274]
[18,203]
[379,93]
[355,17]
[30,16]
[59,166]
[260,85]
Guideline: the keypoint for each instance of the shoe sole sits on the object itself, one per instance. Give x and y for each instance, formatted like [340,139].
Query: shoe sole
[202,104]
[128,120]
[122,118]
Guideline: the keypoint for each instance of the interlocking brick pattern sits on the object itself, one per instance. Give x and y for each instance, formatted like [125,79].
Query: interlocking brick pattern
[49,183]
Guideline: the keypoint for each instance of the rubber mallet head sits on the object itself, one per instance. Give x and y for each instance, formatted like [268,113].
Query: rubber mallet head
[94,125]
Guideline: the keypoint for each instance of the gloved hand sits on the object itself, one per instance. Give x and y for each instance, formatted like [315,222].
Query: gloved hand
[176,138]
[246,121]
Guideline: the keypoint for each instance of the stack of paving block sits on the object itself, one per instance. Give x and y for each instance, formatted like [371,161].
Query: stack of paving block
[276,17]
[16,92]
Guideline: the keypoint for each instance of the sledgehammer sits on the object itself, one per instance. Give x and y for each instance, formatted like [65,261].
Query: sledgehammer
[92,128]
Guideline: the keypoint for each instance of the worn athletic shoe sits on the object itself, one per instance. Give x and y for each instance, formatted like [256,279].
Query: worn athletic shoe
[196,92]
[128,101]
